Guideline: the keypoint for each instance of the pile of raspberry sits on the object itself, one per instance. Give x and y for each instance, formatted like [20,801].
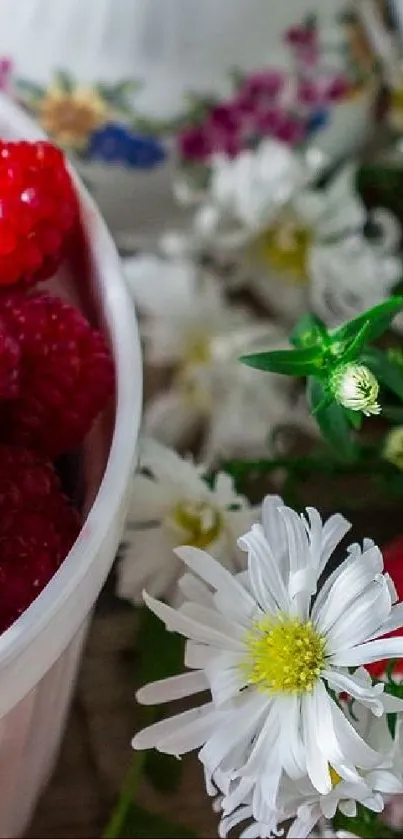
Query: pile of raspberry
[56,372]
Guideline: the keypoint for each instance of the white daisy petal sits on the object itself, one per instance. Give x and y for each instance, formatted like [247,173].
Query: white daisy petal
[149,501]
[167,466]
[198,656]
[212,618]
[334,530]
[300,828]
[348,583]
[190,628]
[367,653]
[194,589]
[203,719]
[394,621]
[354,686]
[316,762]
[355,750]
[348,808]
[225,677]
[235,730]
[209,570]
[255,543]
[176,687]
[363,617]
[147,561]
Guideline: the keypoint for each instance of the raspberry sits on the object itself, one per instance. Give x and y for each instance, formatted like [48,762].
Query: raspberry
[66,374]
[38,526]
[38,208]
[9,365]
[393,565]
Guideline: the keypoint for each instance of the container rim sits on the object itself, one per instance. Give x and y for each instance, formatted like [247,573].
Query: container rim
[123,335]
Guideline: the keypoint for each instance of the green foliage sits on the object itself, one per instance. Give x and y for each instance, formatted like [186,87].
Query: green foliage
[318,354]
[365,824]
[140,824]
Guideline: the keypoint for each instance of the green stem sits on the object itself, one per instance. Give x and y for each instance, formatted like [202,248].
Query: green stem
[114,828]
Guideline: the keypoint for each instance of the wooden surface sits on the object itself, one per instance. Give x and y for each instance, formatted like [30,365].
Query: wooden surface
[96,749]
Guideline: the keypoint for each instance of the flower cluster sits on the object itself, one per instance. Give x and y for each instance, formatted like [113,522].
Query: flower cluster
[290,107]
[280,647]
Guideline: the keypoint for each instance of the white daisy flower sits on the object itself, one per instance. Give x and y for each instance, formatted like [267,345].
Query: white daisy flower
[273,245]
[273,644]
[171,503]
[190,327]
[300,801]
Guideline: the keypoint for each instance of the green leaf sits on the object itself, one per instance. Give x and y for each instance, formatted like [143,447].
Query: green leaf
[352,350]
[308,332]
[366,824]
[385,369]
[140,824]
[162,652]
[64,80]
[354,418]
[379,318]
[164,771]
[301,362]
[29,91]
[332,421]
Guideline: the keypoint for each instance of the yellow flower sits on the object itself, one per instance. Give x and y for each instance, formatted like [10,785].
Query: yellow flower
[393,447]
[70,117]
[284,247]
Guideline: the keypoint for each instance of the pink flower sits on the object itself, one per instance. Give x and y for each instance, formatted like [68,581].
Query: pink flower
[223,118]
[262,84]
[337,89]
[290,130]
[268,122]
[309,92]
[6,68]
[301,36]
[194,144]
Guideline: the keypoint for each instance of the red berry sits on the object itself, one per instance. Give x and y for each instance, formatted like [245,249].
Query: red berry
[9,365]
[393,565]
[38,526]
[38,209]
[66,374]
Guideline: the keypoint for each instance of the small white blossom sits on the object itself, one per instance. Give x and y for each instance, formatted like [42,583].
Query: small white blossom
[267,643]
[190,327]
[172,503]
[356,388]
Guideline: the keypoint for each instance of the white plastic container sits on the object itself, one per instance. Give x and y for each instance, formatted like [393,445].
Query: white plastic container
[40,653]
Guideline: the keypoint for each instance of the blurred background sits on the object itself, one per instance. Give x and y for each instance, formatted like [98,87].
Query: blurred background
[142,94]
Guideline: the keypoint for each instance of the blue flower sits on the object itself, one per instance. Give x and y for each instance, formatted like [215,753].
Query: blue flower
[318,120]
[114,143]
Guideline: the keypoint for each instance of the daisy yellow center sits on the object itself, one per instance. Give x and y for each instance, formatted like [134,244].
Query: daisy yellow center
[334,777]
[285,655]
[285,247]
[195,523]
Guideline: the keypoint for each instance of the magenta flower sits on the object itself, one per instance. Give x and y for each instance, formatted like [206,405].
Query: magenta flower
[290,130]
[6,68]
[194,144]
[309,92]
[269,122]
[223,118]
[263,84]
[301,36]
[337,89]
